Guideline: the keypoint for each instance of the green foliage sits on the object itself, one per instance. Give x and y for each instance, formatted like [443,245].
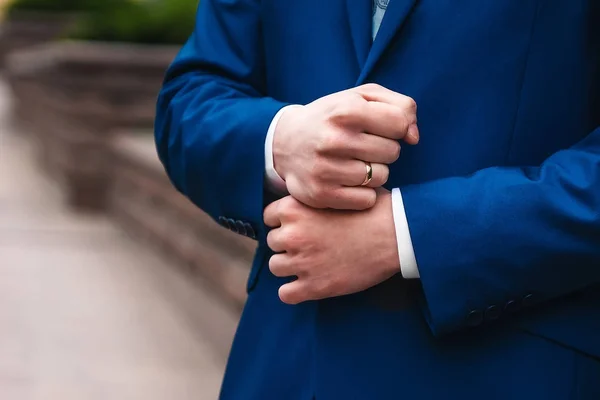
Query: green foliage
[150,21]
[137,21]
[59,5]
[172,21]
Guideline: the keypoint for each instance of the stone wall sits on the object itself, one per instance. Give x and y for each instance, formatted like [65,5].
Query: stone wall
[73,95]
[22,30]
[144,203]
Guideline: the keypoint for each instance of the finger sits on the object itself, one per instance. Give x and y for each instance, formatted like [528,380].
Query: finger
[377,118]
[371,148]
[275,240]
[351,198]
[271,215]
[281,266]
[377,93]
[413,136]
[380,173]
[354,173]
[388,121]
[293,292]
[406,105]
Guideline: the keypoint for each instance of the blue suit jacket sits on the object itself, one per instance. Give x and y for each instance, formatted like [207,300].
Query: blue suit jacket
[502,194]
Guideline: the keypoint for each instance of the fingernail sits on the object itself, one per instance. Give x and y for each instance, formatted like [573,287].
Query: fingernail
[413,132]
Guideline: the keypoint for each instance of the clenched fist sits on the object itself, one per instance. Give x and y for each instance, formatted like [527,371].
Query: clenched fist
[331,252]
[321,149]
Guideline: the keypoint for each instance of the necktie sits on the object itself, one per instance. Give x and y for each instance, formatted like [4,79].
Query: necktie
[379,7]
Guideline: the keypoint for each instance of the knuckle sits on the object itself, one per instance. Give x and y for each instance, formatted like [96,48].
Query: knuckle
[372,87]
[284,295]
[273,265]
[319,168]
[355,102]
[385,174]
[318,195]
[270,240]
[370,199]
[269,210]
[287,296]
[411,105]
[303,266]
[385,179]
[288,206]
[293,240]
[345,109]
[402,123]
[330,142]
[323,169]
[394,151]
[300,267]
[341,112]
[288,210]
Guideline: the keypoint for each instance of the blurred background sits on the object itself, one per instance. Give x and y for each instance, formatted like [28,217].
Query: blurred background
[112,285]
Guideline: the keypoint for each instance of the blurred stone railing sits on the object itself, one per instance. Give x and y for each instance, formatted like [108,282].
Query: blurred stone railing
[80,102]
[144,203]
[73,95]
[23,29]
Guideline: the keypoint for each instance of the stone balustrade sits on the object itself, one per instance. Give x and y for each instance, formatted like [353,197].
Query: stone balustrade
[74,95]
[144,203]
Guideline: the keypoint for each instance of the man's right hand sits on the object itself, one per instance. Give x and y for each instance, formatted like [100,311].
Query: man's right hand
[320,149]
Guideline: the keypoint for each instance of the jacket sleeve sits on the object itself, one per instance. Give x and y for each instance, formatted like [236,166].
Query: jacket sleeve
[505,237]
[213,114]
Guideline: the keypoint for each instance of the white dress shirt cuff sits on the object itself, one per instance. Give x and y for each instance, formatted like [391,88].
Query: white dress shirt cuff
[274,182]
[408,262]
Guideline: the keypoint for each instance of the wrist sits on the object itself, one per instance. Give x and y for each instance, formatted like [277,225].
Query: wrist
[281,142]
[279,152]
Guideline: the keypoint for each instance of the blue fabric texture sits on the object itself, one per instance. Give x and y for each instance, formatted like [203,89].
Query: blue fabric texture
[502,195]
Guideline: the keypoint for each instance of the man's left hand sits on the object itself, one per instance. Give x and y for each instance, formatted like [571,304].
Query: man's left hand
[331,252]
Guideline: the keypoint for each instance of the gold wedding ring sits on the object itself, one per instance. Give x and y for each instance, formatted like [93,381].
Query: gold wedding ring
[369,175]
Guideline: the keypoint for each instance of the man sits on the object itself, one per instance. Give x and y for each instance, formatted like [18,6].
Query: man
[478,275]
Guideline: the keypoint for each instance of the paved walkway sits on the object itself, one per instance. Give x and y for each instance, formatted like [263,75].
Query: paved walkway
[85,312]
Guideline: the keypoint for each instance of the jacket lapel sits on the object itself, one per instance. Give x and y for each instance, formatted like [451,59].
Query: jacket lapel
[397,13]
[360,14]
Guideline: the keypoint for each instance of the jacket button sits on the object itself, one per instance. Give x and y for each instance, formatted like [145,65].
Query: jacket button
[492,313]
[223,222]
[232,225]
[528,300]
[475,318]
[241,228]
[511,307]
[250,231]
